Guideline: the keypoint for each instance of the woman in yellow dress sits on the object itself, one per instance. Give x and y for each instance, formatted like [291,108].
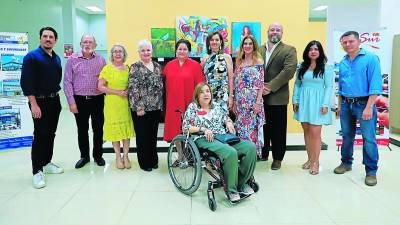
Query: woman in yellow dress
[118,126]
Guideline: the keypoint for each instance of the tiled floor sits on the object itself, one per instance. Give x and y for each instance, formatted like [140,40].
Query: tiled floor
[107,196]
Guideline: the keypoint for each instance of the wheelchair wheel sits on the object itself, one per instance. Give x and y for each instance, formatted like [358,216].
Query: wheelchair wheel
[184,164]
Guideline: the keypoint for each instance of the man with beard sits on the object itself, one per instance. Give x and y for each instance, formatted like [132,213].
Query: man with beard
[40,81]
[85,101]
[280,66]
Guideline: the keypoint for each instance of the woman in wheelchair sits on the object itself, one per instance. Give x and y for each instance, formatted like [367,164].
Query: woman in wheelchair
[208,119]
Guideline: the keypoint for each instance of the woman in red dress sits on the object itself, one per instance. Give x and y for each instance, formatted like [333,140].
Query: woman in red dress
[181,77]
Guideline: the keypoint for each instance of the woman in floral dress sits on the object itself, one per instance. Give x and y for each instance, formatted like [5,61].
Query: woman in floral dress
[249,82]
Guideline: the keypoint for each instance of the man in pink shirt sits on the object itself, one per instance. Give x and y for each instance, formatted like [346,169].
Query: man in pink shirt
[85,101]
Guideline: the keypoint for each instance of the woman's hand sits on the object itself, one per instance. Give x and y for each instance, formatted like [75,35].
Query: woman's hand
[140,112]
[324,110]
[209,135]
[230,127]
[230,102]
[257,108]
[123,93]
[295,107]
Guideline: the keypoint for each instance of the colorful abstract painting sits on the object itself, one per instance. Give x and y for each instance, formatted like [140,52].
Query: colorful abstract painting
[163,41]
[195,29]
[242,29]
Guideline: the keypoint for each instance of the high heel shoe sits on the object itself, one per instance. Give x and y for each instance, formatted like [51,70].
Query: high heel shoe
[306,165]
[314,169]
[119,164]
[127,163]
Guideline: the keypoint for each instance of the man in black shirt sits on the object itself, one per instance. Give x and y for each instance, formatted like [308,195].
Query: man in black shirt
[40,82]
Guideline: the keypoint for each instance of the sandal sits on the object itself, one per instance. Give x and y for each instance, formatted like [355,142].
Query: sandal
[127,163]
[314,169]
[119,163]
[306,165]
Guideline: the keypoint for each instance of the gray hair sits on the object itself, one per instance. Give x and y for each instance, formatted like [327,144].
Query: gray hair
[143,43]
[112,50]
[88,35]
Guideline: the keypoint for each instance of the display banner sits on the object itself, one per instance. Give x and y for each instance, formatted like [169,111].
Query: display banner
[374,41]
[16,123]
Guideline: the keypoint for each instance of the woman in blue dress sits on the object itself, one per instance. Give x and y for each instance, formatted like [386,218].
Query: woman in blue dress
[311,100]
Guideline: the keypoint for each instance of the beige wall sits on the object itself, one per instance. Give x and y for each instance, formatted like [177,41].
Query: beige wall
[394,118]
[130,21]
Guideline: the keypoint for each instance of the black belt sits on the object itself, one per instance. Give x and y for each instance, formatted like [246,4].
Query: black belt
[355,99]
[87,97]
[51,95]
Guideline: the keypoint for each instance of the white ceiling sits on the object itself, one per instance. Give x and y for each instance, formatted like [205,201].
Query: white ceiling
[81,5]
[321,15]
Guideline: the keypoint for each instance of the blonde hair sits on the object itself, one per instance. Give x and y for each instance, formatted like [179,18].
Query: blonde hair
[256,51]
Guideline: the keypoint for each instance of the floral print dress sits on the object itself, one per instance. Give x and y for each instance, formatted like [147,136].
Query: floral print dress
[216,72]
[249,126]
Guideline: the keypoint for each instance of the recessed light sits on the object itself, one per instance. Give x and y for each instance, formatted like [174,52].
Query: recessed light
[320,8]
[94,8]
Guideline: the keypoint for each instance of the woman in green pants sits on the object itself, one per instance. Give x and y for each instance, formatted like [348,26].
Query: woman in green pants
[204,115]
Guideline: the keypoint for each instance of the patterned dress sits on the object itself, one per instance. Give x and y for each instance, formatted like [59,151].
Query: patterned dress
[249,126]
[117,116]
[216,73]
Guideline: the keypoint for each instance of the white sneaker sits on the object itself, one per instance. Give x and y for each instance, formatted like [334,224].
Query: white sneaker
[234,197]
[38,180]
[247,190]
[52,169]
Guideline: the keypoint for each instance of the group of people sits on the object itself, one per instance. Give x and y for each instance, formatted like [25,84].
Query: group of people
[123,101]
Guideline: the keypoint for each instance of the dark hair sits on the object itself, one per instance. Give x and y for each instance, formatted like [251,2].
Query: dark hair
[210,35]
[50,29]
[321,61]
[351,32]
[183,41]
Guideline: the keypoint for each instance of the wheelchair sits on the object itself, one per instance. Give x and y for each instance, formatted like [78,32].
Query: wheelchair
[185,165]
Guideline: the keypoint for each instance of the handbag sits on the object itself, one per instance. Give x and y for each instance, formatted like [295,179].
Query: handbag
[227,138]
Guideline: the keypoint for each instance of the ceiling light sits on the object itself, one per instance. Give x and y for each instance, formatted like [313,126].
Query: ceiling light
[320,8]
[94,8]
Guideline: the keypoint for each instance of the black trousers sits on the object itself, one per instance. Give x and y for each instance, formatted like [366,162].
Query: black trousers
[44,132]
[90,107]
[146,128]
[275,131]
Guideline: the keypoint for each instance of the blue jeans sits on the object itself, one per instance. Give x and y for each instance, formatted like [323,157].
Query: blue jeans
[349,114]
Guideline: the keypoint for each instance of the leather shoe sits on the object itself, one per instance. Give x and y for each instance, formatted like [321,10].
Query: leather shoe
[276,164]
[147,169]
[155,166]
[100,161]
[81,163]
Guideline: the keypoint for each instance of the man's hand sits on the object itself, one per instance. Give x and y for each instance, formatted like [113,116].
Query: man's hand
[73,108]
[36,112]
[367,113]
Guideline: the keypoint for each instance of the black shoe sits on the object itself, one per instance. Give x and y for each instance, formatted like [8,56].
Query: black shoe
[155,166]
[276,164]
[81,163]
[147,169]
[100,161]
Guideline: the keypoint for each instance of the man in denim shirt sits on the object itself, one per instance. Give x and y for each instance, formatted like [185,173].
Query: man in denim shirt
[360,83]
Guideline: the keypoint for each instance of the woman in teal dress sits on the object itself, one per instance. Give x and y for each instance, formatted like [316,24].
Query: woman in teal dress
[248,86]
[311,100]
[218,70]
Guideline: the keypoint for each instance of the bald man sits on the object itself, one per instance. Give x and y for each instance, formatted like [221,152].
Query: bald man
[280,65]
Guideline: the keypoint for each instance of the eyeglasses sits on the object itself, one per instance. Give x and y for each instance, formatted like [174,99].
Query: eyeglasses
[118,52]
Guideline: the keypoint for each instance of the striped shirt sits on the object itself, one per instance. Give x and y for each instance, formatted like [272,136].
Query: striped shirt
[81,75]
